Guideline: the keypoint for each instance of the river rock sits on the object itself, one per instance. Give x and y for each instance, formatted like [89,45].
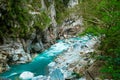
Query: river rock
[51,66]
[56,75]
[26,75]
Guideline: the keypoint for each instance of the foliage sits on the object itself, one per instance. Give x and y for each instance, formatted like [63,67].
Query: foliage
[61,10]
[102,17]
[93,30]
[111,44]
[42,21]
[19,18]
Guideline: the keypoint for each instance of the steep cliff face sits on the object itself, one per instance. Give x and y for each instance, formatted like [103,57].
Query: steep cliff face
[20,50]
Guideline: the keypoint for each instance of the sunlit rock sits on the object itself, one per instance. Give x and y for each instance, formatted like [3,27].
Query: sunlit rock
[51,66]
[26,75]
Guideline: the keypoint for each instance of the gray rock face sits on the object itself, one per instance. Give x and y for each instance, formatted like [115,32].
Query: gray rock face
[53,21]
[71,27]
[33,43]
[72,3]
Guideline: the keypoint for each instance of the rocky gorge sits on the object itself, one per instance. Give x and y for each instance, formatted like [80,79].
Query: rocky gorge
[71,64]
[15,51]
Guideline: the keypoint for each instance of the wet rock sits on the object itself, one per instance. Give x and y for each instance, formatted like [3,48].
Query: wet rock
[56,75]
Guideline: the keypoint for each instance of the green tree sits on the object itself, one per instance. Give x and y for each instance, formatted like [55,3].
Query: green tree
[102,17]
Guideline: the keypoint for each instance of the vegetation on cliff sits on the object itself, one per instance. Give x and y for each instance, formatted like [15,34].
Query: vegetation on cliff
[102,17]
[19,18]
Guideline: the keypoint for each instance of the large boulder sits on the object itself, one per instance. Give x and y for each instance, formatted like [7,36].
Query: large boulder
[26,75]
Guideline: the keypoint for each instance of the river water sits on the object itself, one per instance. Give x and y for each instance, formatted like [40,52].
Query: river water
[39,65]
